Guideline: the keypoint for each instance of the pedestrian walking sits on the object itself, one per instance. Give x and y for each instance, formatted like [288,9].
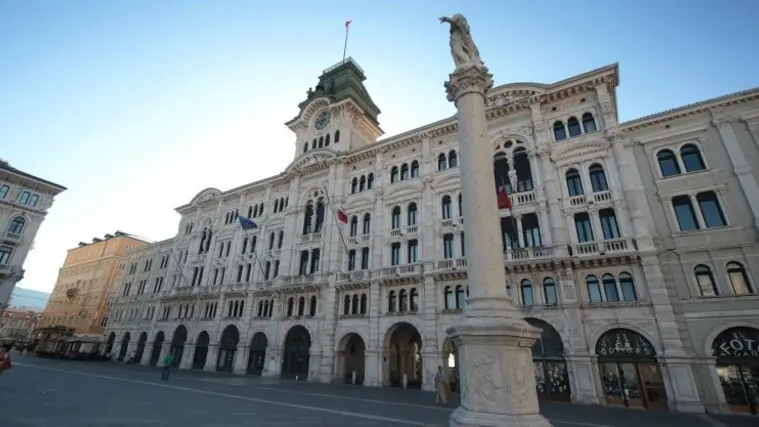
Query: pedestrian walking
[167,362]
[5,358]
[440,390]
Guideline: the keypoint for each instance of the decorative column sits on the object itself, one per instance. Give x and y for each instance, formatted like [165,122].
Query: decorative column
[494,341]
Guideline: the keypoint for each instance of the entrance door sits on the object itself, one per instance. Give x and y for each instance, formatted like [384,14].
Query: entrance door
[737,352]
[297,353]
[257,357]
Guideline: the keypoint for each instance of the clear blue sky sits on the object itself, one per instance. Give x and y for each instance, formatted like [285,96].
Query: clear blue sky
[137,105]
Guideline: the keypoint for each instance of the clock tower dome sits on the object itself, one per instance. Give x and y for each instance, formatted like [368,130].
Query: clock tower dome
[338,114]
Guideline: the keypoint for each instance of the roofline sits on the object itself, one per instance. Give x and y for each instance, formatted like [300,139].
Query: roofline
[150,245]
[9,168]
[690,109]
[124,235]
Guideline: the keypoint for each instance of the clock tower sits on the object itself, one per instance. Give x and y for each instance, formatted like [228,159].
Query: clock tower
[338,114]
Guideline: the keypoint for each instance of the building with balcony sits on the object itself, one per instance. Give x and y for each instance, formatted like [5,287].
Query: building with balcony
[24,202]
[357,264]
[17,324]
[80,299]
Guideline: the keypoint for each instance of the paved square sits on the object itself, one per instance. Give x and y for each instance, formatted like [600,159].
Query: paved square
[42,392]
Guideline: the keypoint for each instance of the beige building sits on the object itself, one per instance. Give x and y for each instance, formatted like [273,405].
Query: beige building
[632,245]
[24,202]
[19,323]
[80,299]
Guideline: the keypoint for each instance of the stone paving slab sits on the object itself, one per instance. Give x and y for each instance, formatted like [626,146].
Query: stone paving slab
[47,392]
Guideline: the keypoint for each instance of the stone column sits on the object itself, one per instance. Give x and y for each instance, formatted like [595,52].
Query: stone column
[494,341]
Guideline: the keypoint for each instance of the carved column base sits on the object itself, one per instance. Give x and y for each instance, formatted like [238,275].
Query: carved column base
[497,378]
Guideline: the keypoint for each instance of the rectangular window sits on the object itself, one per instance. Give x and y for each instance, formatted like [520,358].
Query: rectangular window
[448,246]
[413,255]
[24,197]
[5,255]
[686,215]
[463,246]
[3,191]
[609,224]
[395,253]
[276,268]
[710,209]
[352,260]
[303,263]
[315,260]
[364,258]
[584,227]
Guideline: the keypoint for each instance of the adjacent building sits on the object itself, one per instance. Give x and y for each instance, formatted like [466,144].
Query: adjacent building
[80,299]
[24,202]
[18,324]
[632,245]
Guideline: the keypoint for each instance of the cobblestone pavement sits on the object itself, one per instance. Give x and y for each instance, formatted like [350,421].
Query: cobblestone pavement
[42,392]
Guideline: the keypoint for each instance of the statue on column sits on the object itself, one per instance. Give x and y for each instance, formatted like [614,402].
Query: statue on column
[464,51]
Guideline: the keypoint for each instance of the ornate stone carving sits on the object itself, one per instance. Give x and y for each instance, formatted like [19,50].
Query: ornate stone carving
[464,51]
[487,376]
[469,80]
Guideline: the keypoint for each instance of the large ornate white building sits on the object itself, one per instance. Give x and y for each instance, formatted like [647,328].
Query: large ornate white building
[633,245]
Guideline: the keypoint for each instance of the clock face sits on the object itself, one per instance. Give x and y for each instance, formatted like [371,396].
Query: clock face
[322,120]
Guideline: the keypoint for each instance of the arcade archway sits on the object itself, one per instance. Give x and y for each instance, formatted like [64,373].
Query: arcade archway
[109,343]
[124,346]
[297,353]
[155,354]
[551,377]
[351,357]
[404,356]
[737,353]
[201,351]
[140,347]
[451,365]
[227,348]
[177,344]
[629,370]
[257,358]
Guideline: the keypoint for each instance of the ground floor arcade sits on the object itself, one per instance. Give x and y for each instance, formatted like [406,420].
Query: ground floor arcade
[624,368]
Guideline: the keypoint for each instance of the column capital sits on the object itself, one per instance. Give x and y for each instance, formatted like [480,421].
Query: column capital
[474,79]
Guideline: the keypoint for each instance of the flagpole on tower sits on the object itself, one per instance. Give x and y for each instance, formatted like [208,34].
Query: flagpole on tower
[345,45]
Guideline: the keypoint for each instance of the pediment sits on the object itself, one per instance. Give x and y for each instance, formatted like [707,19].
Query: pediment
[403,191]
[312,158]
[308,111]
[206,195]
[452,178]
[576,150]
[359,203]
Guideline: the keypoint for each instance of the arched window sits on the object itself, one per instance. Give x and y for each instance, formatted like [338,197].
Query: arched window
[448,300]
[308,217]
[404,171]
[280,237]
[594,289]
[394,174]
[319,215]
[667,163]
[705,281]
[413,300]
[313,144]
[312,306]
[326,140]
[574,127]
[391,302]
[244,244]
[549,291]
[627,286]
[411,216]
[610,287]
[290,304]
[271,240]
[276,206]
[453,159]
[362,183]
[17,225]
[597,178]
[367,223]
[559,132]
[738,279]
[528,296]
[588,123]
[347,305]
[301,306]
[354,226]
[415,169]
[337,136]
[370,181]
[460,297]
[354,305]
[395,218]
[461,205]
[250,211]
[354,185]
[574,183]
[446,205]
[363,304]
[321,142]
[305,146]
[442,162]
[692,160]
[402,300]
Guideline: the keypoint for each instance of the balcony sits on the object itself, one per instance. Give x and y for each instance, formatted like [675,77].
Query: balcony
[12,238]
[602,196]
[451,264]
[358,275]
[605,247]
[447,223]
[527,254]
[523,198]
[400,271]
[312,237]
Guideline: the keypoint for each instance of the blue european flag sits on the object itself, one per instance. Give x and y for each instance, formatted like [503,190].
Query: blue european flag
[247,223]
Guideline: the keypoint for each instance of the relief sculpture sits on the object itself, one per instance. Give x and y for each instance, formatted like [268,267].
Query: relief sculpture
[488,378]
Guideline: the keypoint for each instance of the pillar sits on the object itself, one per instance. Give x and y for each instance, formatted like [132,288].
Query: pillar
[494,341]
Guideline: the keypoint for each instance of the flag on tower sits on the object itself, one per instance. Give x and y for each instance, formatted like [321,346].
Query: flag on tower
[342,216]
[247,223]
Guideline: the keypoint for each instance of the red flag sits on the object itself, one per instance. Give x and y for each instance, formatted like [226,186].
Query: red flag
[348,23]
[504,201]
[341,216]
